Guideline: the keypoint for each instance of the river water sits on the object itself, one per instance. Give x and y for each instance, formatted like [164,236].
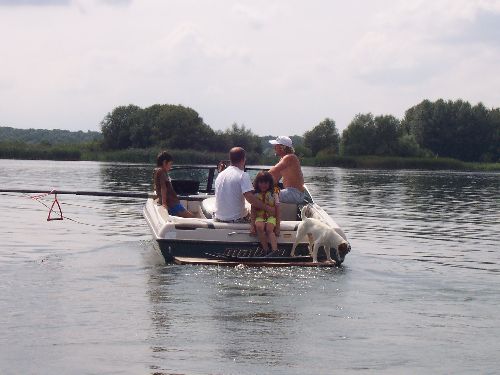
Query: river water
[418,294]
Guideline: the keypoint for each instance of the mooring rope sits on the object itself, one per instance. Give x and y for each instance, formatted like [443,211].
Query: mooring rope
[37,199]
[95,208]
[56,206]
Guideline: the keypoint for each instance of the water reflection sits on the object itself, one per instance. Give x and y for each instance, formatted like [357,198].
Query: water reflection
[230,315]
[418,292]
[424,216]
[126,177]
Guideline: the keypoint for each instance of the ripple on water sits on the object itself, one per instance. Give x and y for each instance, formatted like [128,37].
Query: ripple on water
[418,292]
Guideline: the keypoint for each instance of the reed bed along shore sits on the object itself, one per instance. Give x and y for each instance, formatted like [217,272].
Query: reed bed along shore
[81,152]
[389,162]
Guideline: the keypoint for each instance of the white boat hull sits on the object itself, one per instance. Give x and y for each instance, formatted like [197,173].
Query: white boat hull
[200,237]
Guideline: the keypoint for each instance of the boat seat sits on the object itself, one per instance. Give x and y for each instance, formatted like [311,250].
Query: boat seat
[289,211]
[194,223]
[208,207]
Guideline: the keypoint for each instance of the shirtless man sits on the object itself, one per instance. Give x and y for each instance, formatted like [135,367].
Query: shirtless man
[288,168]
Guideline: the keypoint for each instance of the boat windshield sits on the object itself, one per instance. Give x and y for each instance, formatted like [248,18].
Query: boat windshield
[193,179]
[203,175]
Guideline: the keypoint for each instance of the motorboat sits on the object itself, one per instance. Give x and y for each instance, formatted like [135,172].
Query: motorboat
[185,240]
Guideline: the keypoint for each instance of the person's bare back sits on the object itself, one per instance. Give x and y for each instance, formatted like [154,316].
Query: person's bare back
[289,169]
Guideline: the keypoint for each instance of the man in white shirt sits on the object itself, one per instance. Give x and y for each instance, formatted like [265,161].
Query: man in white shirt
[232,187]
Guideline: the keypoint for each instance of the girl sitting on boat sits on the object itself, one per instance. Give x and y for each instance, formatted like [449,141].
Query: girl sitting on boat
[167,196]
[267,227]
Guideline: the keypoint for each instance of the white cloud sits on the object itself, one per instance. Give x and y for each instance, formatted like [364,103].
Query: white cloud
[116,2]
[411,42]
[423,49]
[34,2]
[39,3]
[278,66]
[253,17]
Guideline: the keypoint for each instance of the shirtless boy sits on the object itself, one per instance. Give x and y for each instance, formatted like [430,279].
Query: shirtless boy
[167,197]
[289,169]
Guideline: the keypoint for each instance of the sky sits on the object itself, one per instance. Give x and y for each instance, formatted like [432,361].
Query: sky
[277,66]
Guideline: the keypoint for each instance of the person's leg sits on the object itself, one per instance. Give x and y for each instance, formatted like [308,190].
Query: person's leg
[253,216]
[179,210]
[271,236]
[185,213]
[291,195]
[260,226]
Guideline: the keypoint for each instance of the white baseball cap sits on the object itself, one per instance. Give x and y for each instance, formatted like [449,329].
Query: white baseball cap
[282,140]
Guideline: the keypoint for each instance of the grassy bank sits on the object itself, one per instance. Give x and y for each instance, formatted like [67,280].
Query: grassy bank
[378,162]
[149,156]
[17,150]
[90,153]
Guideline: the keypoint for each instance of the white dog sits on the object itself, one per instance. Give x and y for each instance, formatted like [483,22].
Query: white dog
[320,234]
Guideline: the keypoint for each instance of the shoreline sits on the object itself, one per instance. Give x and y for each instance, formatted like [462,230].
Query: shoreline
[400,163]
[197,157]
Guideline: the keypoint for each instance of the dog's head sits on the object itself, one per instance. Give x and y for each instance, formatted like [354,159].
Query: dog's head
[342,250]
[306,211]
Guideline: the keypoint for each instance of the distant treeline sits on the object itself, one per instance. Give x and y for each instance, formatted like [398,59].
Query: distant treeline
[172,127]
[47,137]
[450,129]
[429,130]
[39,151]
[75,152]
[148,155]
[446,129]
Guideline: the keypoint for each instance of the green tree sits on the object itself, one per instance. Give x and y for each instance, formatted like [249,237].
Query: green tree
[181,127]
[243,137]
[116,126]
[145,132]
[166,125]
[492,153]
[323,136]
[302,151]
[454,129]
[47,137]
[298,140]
[381,136]
[408,146]
[387,134]
[359,137]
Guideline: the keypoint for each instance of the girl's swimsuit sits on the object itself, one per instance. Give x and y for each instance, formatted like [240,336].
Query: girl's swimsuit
[269,199]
